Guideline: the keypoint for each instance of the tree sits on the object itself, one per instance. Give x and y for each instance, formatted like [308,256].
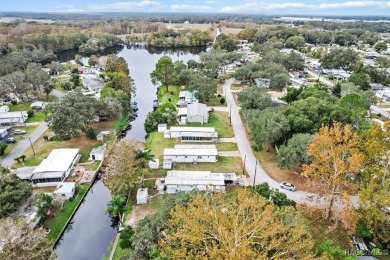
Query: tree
[121,174]
[344,58]
[380,46]
[336,162]
[125,237]
[77,59]
[19,241]
[294,153]
[241,227]
[3,147]
[277,198]
[374,199]
[254,98]
[360,79]
[36,76]
[204,87]
[14,192]
[48,88]
[116,64]
[268,127]
[248,72]
[152,120]
[163,72]
[43,202]
[55,68]
[109,107]
[351,109]
[93,60]
[116,206]
[309,114]
[71,115]
[295,42]
[337,89]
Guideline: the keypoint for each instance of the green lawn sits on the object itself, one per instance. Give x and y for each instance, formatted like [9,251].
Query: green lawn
[58,219]
[215,102]
[221,122]
[156,142]
[38,117]
[22,106]
[92,166]
[226,147]
[224,164]
[121,123]
[164,96]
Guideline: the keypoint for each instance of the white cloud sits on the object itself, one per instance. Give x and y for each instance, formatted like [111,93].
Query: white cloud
[211,2]
[127,6]
[258,6]
[190,8]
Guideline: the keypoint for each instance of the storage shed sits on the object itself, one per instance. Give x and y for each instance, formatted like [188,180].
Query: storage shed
[154,164]
[161,128]
[142,196]
[167,164]
[38,105]
[65,190]
[97,154]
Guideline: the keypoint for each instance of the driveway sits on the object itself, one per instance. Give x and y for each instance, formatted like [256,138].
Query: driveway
[23,145]
[254,169]
[58,94]
[378,110]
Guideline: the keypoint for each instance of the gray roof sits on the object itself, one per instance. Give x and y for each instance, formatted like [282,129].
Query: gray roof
[25,173]
[98,150]
[93,83]
[199,134]
[195,146]
[142,193]
[197,109]
[192,129]
[194,178]
[14,115]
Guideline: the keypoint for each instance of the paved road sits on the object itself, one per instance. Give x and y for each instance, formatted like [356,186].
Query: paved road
[58,94]
[23,145]
[378,110]
[322,79]
[247,155]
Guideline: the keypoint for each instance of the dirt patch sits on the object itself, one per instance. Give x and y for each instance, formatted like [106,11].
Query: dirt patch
[138,213]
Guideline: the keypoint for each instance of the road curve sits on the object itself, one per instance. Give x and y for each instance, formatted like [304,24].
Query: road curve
[250,160]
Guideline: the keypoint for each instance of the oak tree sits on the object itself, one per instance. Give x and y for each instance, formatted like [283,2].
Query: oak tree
[163,72]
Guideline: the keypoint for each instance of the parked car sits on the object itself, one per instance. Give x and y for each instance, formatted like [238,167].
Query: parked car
[19,132]
[10,140]
[287,186]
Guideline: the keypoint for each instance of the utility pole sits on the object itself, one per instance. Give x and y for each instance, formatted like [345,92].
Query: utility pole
[254,179]
[243,169]
[32,147]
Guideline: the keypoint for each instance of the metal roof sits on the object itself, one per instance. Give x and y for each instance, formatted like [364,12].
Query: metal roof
[190,152]
[25,173]
[15,114]
[59,160]
[197,109]
[192,129]
[199,134]
[98,150]
[194,178]
[195,146]
[65,187]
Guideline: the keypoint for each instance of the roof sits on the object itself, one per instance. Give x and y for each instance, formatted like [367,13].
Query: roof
[25,173]
[142,192]
[154,161]
[65,187]
[93,82]
[16,114]
[192,129]
[194,178]
[59,160]
[195,146]
[98,150]
[45,175]
[182,111]
[199,134]
[37,104]
[197,109]
[2,130]
[190,152]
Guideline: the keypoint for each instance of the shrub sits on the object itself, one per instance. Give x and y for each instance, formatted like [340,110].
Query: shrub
[91,133]
[14,102]
[222,101]
[125,237]
[30,113]
[219,95]
[3,146]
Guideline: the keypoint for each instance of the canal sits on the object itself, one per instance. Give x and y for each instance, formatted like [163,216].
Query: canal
[91,231]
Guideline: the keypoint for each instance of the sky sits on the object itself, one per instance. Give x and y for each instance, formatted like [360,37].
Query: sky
[263,7]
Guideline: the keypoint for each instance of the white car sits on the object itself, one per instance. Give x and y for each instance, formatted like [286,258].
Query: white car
[19,132]
[287,186]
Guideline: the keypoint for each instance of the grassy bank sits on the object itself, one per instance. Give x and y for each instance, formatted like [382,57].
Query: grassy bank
[221,122]
[57,219]
[120,124]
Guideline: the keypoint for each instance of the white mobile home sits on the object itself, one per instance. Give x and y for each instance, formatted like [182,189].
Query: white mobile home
[55,168]
[187,96]
[13,118]
[192,134]
[195,154]
[183,181]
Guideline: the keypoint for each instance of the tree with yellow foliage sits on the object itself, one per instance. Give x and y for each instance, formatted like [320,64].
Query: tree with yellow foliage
[240,226]
[337,161]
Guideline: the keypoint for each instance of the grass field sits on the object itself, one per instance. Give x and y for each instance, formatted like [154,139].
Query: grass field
[172,93]
[202,27]
[221,122]
[21,106]
[57,218]
[92,166]
[224,164]
[38,117]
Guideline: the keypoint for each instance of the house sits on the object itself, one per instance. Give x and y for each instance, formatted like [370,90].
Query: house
[97,153]
[188,96]
[142,196]
[184,181]
[4,109]
[13,118]
[55,168]
[167,164]
[92,83]
[38,105]
[376,86]
[25,173]
[192,134]
[279,102]
[296,83]
[154,164]
[193,154]
[262,83]
[162,128]
[197,113]
[65,190]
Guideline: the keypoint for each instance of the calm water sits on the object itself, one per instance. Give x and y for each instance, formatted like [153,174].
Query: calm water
[91,231]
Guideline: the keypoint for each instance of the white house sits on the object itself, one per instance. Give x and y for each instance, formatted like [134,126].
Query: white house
[65,190]
[97,154]
[142,196]
[197,113]
[193,154]
[55,168]
[183,181]
[188,96]
[192,134]
[4,109]
[13,118]
[38,105]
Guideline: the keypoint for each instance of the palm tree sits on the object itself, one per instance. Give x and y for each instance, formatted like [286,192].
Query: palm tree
[116,206]
[142,158]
